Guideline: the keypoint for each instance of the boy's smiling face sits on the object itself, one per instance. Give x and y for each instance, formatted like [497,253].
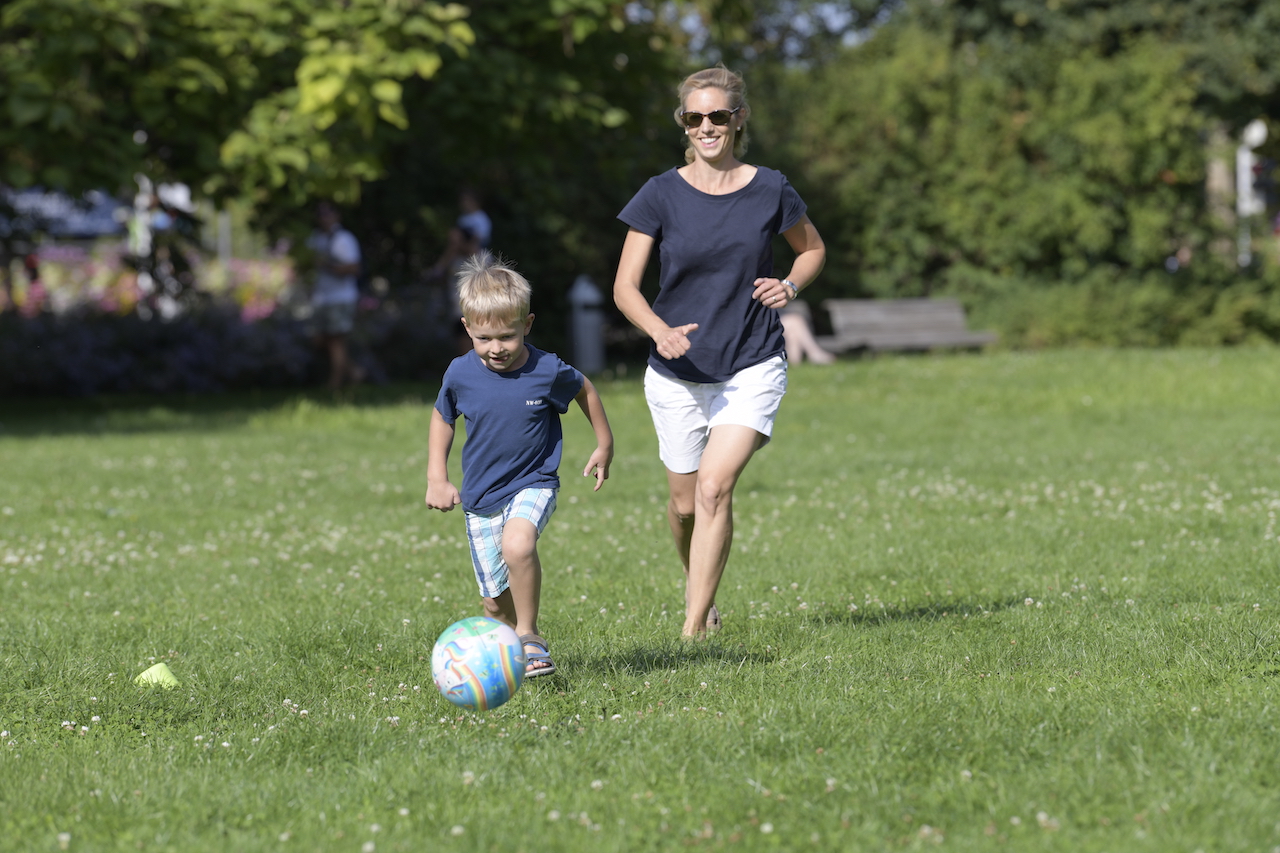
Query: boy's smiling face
[500,343]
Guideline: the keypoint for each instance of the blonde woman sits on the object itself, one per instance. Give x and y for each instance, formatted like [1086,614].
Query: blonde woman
[717,364]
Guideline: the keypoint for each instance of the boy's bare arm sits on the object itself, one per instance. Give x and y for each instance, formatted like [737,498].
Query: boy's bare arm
[441,494]
[589,401]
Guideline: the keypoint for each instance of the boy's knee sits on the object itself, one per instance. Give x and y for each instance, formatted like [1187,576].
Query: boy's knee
[492,608]
[519,542]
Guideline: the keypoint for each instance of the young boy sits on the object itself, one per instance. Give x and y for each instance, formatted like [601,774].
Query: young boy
[511,395]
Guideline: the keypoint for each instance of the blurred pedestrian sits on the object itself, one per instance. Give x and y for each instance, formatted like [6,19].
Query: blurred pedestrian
[335,293]
[472,232]
[470,235]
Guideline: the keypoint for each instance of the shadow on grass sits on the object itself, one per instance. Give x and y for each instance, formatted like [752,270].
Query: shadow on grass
[923,613]
[141,413]
[640,658]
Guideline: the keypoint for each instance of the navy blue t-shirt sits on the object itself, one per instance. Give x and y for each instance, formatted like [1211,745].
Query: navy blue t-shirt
[711,249]
[514,438]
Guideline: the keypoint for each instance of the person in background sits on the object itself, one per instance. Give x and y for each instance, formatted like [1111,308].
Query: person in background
[335,293]
[472,232]
[470,235]
[797,329]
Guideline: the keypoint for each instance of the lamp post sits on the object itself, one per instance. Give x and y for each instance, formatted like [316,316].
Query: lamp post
[1249,202]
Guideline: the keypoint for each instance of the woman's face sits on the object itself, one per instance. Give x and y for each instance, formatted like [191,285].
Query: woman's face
[711,142]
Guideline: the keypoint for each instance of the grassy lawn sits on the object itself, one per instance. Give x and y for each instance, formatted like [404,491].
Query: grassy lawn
[1021,602]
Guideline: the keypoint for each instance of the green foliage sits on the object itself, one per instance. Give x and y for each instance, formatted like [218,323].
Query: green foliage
[1044,161]
[327,134]
[556,132]
[94,91]
[234,97]
[1109,307]
[759,34]
[943,165]
[1229,43]
[975,147]
[388,108]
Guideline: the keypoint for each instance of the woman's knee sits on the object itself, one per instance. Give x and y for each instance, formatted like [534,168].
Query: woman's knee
[681,506]
[712,493]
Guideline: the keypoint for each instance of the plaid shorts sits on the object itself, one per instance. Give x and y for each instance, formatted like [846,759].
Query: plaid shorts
[484,533]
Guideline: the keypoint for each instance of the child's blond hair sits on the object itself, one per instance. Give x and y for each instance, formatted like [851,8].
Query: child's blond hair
[490,289]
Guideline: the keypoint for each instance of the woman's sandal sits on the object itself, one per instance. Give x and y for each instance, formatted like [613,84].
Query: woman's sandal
[713,617]
[543,657]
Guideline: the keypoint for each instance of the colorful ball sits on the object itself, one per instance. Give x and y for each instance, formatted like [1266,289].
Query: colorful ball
[478,663]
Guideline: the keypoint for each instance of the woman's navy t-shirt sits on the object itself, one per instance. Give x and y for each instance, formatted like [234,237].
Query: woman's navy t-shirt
[711,249]
[514,438]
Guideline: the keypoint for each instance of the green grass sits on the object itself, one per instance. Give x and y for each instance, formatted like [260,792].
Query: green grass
[1023,602]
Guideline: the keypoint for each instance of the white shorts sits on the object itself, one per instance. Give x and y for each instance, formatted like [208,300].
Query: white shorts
[484,533]
[684,413]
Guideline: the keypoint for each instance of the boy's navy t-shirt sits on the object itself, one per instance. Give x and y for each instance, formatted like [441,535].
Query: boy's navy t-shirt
[711,249]
[514,438]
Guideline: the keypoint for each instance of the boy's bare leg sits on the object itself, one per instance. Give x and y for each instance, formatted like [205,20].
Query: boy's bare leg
[520,551]
[728,451]
[502,608]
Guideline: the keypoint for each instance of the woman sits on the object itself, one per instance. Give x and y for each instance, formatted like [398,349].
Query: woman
[717,363]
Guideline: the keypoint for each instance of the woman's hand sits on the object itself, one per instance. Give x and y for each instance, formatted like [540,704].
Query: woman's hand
[771,293]
[673,343]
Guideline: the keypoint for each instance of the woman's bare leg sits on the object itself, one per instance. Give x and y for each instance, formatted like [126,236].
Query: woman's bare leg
[727,453]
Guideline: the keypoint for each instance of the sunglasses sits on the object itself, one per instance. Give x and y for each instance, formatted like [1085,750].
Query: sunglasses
[718,117]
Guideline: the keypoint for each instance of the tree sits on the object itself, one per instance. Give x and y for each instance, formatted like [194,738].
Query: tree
[967,146]
[228,95]
[548,104]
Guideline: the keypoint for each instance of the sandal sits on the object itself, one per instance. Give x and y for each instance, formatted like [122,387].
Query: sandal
[713,617]
[542,657]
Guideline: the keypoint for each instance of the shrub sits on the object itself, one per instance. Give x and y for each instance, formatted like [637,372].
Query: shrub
[213,348]
[1208,307]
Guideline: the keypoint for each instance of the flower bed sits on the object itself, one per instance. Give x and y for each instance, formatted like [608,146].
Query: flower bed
[81,331]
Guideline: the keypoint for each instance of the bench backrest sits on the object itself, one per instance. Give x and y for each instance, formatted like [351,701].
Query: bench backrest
[882,315]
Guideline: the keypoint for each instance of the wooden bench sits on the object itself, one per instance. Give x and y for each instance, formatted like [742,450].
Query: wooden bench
[899,324]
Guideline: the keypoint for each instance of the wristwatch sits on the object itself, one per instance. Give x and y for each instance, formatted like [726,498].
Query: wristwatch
[795,291]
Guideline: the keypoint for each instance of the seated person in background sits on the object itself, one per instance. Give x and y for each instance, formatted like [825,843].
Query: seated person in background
[797,331]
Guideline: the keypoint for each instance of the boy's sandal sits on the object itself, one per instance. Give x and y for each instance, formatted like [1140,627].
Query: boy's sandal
[542,657]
